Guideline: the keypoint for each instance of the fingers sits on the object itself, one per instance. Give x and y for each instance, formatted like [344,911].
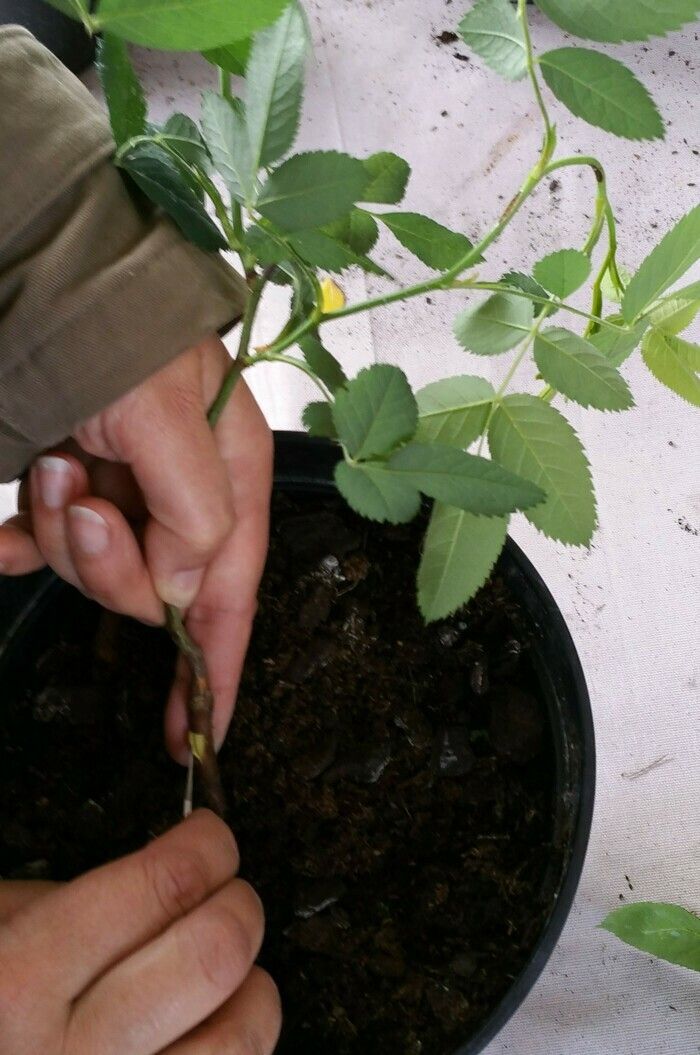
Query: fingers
[248,1024]
[17,895]
[220,619]
[174,983]
[166,440]
[108,561]
[97,920]
[55,481]
[19,553]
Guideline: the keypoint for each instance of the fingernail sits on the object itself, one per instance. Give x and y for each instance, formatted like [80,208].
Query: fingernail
[55,477]
[182,587]
[89,530]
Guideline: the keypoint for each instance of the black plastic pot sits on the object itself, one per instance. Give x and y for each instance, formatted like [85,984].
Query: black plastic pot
[65,37]
[30,609]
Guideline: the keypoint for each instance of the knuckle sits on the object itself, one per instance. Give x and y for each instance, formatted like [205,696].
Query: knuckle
[178,880]
[182,400]
[208,532]
[209,613]
[216,832]
[222,946]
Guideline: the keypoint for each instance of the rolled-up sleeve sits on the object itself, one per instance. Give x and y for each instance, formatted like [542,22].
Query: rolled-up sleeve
[97,288]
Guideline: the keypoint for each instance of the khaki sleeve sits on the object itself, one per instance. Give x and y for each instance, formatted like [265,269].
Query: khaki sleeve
[97,288]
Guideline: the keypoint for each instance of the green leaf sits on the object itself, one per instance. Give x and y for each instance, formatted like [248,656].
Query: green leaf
[375,411]
[318,420]
[186,25]
[123,92]
[321,251]
[613,21]
[528,285]
[659,928]
[226,137]
[493,31]
[312,190]
[530,437]
[463,480]
[602,91]
[323,364]
[674,315]
[388,175]
[432,243]
[358,231]
[691,353]
[266,248]
[233,58]
[579,371]
[618,346]
[186,140]
[454,411]
[159,177]
[459,553]
[375,493]
[495,325]
[670,360]
[677,251]
[691,292]
[275,81]
[563,272]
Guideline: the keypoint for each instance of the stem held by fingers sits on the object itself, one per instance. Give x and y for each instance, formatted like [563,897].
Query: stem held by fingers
[200,713]
[200,704]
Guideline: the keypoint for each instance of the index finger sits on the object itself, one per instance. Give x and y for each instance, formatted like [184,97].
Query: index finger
[221,616]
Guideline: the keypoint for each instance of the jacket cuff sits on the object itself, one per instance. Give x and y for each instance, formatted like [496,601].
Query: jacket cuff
[97,289]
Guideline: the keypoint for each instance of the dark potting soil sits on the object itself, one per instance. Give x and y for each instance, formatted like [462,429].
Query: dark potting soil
[390,785]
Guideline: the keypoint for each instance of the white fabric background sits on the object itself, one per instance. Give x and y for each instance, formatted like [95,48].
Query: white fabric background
[379,80]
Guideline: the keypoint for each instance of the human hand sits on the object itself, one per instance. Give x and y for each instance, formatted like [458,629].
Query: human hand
[199,500]
[152,953]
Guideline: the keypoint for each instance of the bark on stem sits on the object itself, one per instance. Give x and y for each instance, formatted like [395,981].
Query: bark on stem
[200,711]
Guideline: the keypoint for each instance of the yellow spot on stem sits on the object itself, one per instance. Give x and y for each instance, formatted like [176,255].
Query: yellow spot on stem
[332,296]
[198,745]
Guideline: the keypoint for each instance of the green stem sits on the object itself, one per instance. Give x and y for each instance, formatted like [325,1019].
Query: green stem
[90,23]
[604,207]
[532,73]
[502,287]
[225,84]
[211,190]
[502,388]
[601,204]
[274,357]
[242,359]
